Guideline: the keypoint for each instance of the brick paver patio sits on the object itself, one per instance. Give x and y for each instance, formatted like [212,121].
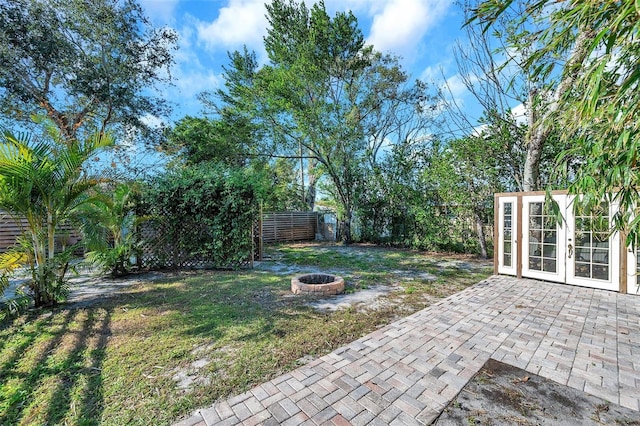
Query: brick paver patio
[407,372]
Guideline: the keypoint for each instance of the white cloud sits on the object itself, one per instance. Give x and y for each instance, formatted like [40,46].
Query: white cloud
[401,24]
[152,121]
[240,22]
[161,11]
[456,86]
[190,75]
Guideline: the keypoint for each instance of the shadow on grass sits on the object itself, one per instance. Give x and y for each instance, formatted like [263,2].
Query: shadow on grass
[75,372]
[115,361]
[19,384]
[46,373]
[51,366]
[213,303]
[93,399]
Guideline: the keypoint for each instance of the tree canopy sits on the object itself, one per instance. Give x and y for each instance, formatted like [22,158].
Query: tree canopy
[600,115]
[324,96]
[84,65]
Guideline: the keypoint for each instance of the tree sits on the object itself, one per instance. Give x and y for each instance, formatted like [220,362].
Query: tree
[321,95]
[109,226]
[84,65]
[44,182]
[504,77]
[227,140]
[394,206]
[466,173]
[600,115]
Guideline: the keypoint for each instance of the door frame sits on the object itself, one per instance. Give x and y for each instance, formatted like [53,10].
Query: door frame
[622,264]
[499,248]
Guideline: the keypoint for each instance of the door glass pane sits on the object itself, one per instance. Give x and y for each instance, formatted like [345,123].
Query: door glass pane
[600,272]
[507,235]
[582,238]
[549,265]
[534,248]
[549,251]
[550,237]
[592,249]
[543,239]
[507,247]
[601,239]
[600,256]
[583,254]
[535,264]
[583,270]
[536,222]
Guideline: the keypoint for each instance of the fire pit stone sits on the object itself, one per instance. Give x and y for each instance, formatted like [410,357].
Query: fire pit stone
[317,284]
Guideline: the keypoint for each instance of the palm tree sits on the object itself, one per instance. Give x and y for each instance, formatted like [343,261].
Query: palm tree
[109,225]
[45,182]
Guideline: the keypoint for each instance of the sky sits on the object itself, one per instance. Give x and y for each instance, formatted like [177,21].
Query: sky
[421,32]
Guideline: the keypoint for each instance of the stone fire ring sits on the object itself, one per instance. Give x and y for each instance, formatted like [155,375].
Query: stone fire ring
[317,284]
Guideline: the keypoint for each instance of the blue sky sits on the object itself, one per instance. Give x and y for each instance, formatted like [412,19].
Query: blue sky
[421,32]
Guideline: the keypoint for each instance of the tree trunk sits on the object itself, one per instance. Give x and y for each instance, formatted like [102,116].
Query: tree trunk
[346,231]
[481,237]
[531,172]
[310,198]
[345,223]
[540,127]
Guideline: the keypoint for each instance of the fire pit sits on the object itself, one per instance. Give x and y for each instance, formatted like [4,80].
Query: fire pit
[318,284]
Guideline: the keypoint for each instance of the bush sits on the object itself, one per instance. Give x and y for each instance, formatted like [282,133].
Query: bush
[202,215]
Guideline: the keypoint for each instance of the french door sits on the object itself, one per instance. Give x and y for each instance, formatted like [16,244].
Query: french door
[576,248]
[543,248]
[593,253]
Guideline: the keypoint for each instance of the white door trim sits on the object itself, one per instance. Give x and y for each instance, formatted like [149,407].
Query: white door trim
[502,267]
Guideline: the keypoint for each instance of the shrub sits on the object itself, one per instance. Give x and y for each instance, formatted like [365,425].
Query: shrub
[202,215]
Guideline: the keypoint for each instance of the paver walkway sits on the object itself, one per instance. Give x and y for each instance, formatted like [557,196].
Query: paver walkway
[407,372]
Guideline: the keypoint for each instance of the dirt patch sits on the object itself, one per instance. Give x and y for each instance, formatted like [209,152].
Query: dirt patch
[90,288]
[501,394]
[365,298]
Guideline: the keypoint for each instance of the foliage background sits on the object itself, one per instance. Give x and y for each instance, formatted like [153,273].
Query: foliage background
[202,214]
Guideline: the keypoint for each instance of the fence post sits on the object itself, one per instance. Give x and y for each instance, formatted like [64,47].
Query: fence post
[261,239]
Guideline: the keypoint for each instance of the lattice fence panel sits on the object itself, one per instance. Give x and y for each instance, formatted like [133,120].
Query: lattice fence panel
[162,246]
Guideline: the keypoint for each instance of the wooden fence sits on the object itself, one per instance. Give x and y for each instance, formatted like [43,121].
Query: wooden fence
[289,226]
[274,227]
[10,230]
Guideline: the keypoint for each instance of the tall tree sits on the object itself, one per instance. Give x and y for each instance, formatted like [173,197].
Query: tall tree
[503,77]
[466,173]
[84,65]
[225,140]
[322,94]
[600,115]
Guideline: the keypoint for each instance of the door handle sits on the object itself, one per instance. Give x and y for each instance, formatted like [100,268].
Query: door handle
[570,250]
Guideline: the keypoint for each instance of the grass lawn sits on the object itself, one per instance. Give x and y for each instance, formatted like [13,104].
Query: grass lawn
[167,346]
